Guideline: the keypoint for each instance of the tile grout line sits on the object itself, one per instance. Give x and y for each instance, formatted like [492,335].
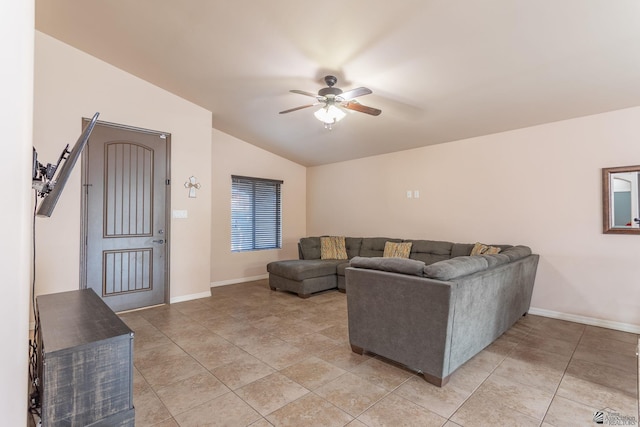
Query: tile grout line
[564,372]
[483,381]
[267,308]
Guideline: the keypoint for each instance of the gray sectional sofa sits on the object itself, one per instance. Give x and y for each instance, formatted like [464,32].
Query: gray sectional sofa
[310,274]
[431,312]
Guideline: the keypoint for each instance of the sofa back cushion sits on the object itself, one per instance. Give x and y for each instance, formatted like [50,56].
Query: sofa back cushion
[309,248]
[353,246]
[461,249]
[456,267]
[374,246]
[393,265]
[430,251]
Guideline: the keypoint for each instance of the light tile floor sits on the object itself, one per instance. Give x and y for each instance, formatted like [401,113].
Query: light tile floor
[251,356]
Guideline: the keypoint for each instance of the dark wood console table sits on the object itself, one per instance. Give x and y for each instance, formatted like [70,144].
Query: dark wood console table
[85,362]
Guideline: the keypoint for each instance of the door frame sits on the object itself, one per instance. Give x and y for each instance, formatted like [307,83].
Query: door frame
[84,231]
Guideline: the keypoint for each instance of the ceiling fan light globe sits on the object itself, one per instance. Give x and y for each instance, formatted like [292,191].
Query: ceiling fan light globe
[329,114]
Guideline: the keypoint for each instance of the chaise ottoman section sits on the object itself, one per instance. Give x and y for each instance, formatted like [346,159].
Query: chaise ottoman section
[303,276]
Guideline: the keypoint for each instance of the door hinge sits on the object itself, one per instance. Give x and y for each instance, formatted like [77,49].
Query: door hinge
[167,182]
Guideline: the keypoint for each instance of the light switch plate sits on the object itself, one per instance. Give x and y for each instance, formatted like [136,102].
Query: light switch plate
[181,214]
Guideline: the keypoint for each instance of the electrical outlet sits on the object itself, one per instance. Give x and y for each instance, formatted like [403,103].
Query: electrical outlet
[408,194]
[416,194]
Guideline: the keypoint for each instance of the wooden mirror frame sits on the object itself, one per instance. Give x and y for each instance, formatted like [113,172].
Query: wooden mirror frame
[607,197]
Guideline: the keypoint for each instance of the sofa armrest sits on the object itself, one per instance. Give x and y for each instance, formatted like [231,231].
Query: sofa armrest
[488,303]
[394,265]
[456,267]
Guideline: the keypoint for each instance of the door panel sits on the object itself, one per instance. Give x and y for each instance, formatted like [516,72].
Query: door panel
[125,200]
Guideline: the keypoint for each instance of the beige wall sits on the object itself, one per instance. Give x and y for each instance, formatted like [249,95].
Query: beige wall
[16,111]
[538,186]
[70,84]
[231,156]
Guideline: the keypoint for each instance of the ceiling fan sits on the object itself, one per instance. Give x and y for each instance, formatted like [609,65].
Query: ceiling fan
[332,100]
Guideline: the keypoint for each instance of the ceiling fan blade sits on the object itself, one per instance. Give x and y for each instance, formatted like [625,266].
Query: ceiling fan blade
[354,93]
[361,108]
[299,108]
[304,92]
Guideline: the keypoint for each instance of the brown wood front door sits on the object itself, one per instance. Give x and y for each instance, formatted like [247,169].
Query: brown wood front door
[126,238]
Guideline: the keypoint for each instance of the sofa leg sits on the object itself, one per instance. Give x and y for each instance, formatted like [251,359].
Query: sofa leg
[272,288]
[439,382]
[304,296]
[357,349]
[344,291]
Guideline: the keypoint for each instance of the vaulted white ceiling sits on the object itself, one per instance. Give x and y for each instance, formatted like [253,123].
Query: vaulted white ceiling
[440,70]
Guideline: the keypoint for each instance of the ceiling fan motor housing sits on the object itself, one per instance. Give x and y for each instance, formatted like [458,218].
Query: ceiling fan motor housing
[330,92]
[333,91]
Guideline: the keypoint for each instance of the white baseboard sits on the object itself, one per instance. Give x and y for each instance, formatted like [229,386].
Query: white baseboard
[625,327]
[215,284]
[241,280]
[190,297]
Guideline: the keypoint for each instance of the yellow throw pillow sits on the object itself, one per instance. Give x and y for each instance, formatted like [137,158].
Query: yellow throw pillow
[482,249]
[397,250]
[333,247]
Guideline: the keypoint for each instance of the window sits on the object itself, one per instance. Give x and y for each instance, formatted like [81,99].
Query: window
[255,214]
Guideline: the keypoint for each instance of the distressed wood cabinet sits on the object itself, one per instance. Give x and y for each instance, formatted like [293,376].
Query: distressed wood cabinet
[85,362]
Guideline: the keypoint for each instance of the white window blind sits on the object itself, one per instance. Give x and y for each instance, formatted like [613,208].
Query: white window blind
[255,214]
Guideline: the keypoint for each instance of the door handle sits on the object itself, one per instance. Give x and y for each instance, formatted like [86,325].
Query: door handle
[158,241]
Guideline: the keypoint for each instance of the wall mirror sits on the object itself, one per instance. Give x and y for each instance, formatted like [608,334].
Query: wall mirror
[621,200]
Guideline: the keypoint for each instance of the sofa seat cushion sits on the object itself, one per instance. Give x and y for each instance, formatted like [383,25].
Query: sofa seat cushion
[300,269]
[394,265]
[456,267]
[342,267]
